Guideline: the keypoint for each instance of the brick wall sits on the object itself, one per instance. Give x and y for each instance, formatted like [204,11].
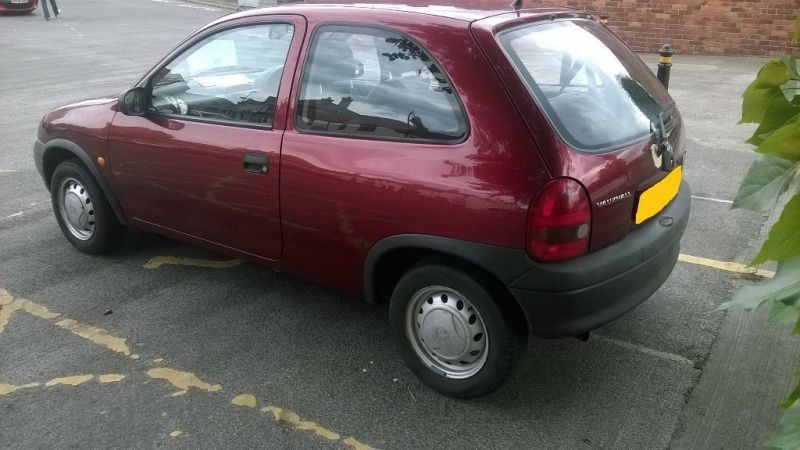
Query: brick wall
[730,27]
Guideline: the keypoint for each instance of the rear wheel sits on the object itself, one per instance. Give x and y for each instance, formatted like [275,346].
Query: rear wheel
[451,332]
[82,211]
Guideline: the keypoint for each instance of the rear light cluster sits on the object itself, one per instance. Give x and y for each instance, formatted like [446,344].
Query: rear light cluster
[560,221]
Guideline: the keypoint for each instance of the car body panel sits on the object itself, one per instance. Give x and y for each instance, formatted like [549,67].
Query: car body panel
[342,195]
[186,175]
[85,124]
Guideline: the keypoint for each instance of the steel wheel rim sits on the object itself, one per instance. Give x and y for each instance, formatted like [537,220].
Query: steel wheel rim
[76,209]
[447,332]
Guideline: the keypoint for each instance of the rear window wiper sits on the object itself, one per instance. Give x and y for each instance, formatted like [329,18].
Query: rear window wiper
[662,146]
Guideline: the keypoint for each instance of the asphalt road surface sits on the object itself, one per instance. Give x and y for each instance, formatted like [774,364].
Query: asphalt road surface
[160,344]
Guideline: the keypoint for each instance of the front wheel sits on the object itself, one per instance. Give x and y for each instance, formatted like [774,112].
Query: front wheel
[451,331]
[82,211]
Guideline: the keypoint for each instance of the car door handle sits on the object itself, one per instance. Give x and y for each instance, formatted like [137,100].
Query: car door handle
[255,163]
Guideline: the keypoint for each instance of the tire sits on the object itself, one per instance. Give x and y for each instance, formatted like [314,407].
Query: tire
[82,211]
[431,315]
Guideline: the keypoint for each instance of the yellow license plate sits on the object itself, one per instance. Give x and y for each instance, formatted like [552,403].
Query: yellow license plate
[657,196]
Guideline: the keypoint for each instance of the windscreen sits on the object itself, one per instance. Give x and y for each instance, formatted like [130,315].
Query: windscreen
[597,93]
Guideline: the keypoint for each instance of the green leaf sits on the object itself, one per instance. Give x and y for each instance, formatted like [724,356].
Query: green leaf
[783,241]
[764,89]
[778,112]
[791,64]
[796,327]
[792,397]
[755,102]
[783,312]
[787,435]
[774,73]
[784,286]
[766,180]
[784,142]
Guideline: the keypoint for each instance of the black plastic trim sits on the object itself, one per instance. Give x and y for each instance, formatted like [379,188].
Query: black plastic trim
[40,151]
[574,313]
[505,263]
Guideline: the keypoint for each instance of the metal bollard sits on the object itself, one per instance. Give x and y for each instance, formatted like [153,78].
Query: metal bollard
[604,19]
[664,64]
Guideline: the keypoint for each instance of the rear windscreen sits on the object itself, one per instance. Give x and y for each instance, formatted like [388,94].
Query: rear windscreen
[597,93]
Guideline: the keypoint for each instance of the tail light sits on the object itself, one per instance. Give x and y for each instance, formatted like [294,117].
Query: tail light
[560,221]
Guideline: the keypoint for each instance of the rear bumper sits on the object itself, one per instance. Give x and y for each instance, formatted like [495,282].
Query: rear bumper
[577,296]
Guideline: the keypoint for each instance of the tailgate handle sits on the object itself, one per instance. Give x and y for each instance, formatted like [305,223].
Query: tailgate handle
[255,163]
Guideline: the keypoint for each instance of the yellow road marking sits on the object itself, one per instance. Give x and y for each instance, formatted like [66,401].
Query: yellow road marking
[5,313]
[290,417]
[158,261]
[97,335]
[6,389]
[182,380]
[69,381]
[247,400]
[726,266]
[74,380]
[355,444]
[5,297]
[9,305]
[37,310]
[111,378]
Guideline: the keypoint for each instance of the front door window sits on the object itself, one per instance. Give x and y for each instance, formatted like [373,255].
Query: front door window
[232,76]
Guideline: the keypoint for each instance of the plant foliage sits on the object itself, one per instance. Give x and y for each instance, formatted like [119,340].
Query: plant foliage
[772,101]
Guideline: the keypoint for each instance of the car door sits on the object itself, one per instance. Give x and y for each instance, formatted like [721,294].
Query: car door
[204,160]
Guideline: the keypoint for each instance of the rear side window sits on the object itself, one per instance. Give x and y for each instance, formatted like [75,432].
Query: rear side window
[598,94]
[373,83]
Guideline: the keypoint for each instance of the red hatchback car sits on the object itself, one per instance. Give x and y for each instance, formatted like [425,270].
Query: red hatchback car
[18,5]
[490,174]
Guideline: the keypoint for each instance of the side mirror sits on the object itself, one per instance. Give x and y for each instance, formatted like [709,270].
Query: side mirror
[132,103]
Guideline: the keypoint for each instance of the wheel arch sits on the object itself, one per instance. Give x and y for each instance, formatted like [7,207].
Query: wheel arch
[391,257]
[58,150]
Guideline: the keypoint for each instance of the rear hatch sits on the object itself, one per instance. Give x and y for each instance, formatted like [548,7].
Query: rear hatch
[611,123]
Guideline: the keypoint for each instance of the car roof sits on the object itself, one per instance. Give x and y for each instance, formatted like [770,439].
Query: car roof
[444,11]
